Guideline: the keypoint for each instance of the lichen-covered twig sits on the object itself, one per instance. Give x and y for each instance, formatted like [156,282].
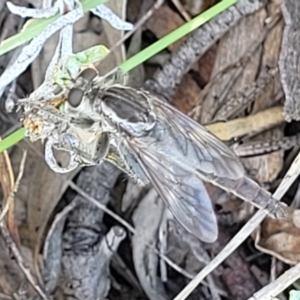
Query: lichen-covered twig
[289,59]
[165,80]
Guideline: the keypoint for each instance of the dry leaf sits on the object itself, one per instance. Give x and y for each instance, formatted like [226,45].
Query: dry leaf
[185,97]
[40,191]
[206,64]
[195,7]
[280,238]
[163,21]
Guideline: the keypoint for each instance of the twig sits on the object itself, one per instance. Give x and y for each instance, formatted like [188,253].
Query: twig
[241,236]
[288,55]
[11,196]
[279,285]
[268,118]
[5,297]
[13,247]
[22,264]
[138,24]
[8,182]
[181,10]
[273,269]
[266,146]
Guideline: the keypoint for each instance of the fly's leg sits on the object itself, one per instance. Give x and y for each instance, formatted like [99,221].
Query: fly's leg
[114,157]
[89,154]
[52,162]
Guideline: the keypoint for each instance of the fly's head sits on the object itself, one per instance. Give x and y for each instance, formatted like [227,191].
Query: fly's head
[67,110]
[68,123]
[78,99]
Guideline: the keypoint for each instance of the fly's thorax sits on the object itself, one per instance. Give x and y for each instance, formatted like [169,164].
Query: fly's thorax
[127,110]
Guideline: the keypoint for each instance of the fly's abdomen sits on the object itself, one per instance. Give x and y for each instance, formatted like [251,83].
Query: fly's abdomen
[250,191]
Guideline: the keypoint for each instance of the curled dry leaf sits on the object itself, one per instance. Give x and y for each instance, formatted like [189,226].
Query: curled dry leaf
[131,195]
[146,220]
[280,238]
[52,252]
[85,254]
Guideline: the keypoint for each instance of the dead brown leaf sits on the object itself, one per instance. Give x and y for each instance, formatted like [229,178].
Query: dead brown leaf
[163,21]
[195,7]
[280,238]
[185,97]
[40,191]
[266,168]
[206,65]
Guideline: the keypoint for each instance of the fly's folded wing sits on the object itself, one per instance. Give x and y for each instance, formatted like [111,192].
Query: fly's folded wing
[212,157]
[182,191]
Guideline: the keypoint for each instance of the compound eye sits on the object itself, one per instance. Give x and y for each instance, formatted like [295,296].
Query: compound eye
[75,97]
[88,74]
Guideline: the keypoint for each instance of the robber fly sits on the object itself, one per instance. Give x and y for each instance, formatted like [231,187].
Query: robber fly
[150,140]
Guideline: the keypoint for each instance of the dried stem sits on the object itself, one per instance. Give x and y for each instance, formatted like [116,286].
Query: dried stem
[279,285]
[11,196]
[12,245]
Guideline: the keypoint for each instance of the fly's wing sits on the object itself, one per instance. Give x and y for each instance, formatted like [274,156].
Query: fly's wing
[215,159]
[182,191]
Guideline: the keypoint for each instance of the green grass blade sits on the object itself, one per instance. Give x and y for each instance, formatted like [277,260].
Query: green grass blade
[175,35]
[144,54]
[34,27]
[12,139]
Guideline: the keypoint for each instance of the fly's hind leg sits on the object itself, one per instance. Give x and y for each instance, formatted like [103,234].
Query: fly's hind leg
[52,162]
